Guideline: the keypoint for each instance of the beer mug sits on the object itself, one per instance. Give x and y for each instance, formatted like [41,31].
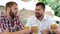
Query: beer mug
[53,26]
[27,27]
[35,29]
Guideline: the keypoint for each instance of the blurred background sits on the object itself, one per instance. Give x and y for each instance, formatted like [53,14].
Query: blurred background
[26,8]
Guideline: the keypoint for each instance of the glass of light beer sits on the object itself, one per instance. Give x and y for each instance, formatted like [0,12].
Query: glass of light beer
[26,27]
[35,29]
[53,26]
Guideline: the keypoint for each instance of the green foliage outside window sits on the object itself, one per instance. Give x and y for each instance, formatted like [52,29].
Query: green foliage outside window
[54,4]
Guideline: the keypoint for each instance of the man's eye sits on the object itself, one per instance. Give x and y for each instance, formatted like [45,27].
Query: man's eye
[37,9]
[15,8]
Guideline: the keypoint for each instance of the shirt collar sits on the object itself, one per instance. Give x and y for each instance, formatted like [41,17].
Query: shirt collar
[12,19]
[45,18]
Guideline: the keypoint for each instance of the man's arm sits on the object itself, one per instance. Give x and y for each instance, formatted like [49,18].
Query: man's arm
[17,32]
[57,31]
[45,31]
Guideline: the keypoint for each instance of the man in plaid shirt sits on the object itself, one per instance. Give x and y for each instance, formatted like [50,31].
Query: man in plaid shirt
[10,21]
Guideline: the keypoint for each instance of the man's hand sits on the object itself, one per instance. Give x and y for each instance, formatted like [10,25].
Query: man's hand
[17,32]
[5,32]
[45,31]
[57,31]
[26,31]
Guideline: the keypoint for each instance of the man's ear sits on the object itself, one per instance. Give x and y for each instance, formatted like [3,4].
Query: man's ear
[8,9]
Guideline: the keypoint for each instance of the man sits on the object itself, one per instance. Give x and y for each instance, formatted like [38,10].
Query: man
[10,21]
[25,4]
[40,19]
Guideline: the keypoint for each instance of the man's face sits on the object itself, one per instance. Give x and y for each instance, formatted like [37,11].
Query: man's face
[13,11]
[39,11]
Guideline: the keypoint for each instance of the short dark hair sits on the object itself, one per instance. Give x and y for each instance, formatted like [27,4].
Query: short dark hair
[9,4]
[41,4]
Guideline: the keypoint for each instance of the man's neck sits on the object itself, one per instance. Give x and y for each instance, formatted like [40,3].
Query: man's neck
[40,18]
[9,17]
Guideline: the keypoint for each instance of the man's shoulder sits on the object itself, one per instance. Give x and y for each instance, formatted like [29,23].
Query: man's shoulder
[49,19]
[2,17]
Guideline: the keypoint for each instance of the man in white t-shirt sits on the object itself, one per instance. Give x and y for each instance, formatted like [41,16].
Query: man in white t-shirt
[27,4]
[43,21]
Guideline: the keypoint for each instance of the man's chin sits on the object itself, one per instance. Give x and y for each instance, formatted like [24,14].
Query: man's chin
[38,16]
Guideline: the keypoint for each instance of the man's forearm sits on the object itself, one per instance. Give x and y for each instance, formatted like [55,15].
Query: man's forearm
[45,32]
[17,32]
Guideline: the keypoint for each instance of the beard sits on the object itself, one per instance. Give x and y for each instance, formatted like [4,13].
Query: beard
[12,14]
[38,15]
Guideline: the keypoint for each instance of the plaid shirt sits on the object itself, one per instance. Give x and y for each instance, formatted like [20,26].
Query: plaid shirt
[10,25]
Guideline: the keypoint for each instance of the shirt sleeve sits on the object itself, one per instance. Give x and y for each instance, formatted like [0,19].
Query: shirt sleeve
[20,24]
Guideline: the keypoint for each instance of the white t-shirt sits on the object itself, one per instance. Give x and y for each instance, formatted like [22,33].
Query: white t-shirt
[30,5]
[42,25]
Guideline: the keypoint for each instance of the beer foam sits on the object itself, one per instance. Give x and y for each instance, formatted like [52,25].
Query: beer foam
[35,25]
